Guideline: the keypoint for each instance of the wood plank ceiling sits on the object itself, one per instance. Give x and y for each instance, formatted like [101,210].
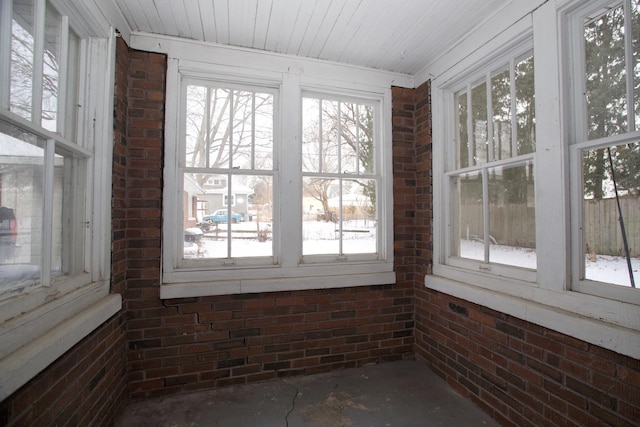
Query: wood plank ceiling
[395,35]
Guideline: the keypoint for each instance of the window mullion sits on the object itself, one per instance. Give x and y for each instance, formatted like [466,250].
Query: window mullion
[287,232]
[6,14]
[551,162]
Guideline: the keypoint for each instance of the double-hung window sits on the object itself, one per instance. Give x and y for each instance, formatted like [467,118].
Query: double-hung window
[290,174]
[489,174]
[605,150]
[54,184]
[227,165]
[339,179]
[491,171]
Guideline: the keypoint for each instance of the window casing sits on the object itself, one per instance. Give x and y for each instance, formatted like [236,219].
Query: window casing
[272,203]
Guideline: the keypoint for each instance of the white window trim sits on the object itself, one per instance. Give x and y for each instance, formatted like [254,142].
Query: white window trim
[579,140]
[38,328]
[292,76]
[549,301]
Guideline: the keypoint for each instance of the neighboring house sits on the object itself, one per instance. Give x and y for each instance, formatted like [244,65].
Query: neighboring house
[217,196]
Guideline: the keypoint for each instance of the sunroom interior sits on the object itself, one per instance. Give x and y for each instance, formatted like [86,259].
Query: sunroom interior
[204,194]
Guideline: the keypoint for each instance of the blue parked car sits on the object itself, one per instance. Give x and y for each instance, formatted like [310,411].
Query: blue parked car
[221,216]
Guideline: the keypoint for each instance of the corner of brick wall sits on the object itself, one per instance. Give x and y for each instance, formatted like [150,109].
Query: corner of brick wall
[198,343]
[520,373]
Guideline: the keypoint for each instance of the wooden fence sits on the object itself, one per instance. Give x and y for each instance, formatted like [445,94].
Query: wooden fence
[514,225]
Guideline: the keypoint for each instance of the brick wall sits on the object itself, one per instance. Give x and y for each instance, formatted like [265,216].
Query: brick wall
[196,343]
[87,386]
[520,373]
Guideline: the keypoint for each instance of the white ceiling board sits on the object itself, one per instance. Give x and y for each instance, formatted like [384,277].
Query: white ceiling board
[395,35]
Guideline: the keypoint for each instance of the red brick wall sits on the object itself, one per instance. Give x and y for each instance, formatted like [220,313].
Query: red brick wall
[87,385]
[520,373]
[196,343]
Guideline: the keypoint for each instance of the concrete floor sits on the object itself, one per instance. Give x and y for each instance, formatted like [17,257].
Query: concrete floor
[401,394]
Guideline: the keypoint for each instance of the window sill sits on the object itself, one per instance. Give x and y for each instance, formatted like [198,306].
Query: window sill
[606,323]
[19,366]
[273,284]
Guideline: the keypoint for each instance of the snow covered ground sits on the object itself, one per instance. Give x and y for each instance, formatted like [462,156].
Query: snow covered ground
[605,268]
[319,237]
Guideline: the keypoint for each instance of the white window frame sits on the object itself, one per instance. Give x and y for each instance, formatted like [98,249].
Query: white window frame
[39,326]
[375,175]
[548,301]
[291,76]
[579,142]
[518,50]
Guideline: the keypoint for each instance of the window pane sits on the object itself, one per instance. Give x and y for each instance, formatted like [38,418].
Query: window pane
[512,225]
[319,217]
[462,131]
[208,136]
[525,106]
[21,211]
[602,220]
[479,111]
[501,105]
[263,145]
[252,142]
[51,69]
[467,240]
[358,220]
[22,58]
[356,127]
[229,221]
[311,135]
[329,144]
[606,89]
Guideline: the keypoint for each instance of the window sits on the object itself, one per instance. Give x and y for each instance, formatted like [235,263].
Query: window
[54,185]
[338,174]
[294,172]
[529,153]
[491,178]
[228,158]
[606,146]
